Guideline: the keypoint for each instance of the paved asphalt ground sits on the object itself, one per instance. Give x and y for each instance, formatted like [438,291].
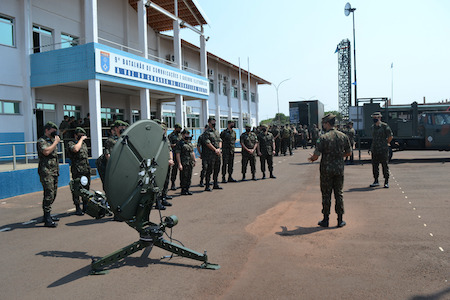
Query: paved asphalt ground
[264,235]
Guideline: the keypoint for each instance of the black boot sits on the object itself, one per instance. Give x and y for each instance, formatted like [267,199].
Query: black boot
[272,176]
[223,179]
[173,187]
[207,187]
[243,177]
[48,222]
[375,183]
[165,202]
[341,223]
[386,183]
[201,183]
[254,177]
[231,179]
[78,210]
[324,222]
[264,176]
[216,186]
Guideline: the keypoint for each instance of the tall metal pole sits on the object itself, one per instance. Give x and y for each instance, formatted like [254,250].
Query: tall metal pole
[354,53]
[278,100]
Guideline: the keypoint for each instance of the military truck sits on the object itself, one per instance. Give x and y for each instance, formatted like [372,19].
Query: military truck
[415,126]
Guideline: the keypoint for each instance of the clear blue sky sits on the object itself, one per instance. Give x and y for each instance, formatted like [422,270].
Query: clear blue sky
[296,39]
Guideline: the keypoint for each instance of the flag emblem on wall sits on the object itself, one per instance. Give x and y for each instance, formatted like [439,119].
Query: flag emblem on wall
[104,61]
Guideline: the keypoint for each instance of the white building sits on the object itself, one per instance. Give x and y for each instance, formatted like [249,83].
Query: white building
[109,57]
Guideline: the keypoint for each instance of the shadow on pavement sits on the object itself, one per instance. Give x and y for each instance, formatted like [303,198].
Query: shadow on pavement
[300,230]
[140,262]
[89,222]
[420,160]
[300,164]
[439,295]
[361,189]
[33,223]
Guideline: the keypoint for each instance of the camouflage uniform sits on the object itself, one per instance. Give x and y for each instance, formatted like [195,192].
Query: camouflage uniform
[276,134]
[228,143]
[204,166]
[249,139]
[266,148]
[210,158]
[102,160]
[350,132]
[314,136]
[285,139]
[380,149]
[185,149]
[48,171]
[174,137]
[79,167]
[332,145]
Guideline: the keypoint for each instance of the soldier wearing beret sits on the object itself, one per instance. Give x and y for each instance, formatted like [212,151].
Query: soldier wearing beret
[48,169]
[78,154]
[174,137]
[249,143]
[211,154]
[266,150]
[228,137]
[184,152]
[334,146]
[381,137]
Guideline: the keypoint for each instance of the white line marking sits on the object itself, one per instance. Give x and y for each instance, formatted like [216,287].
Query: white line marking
[419,217]
[431,234]
[3,202]
[440,248]
[195,174]
[414,208]
[406,197]
[29,222]
[409,202]
[425,225]
[403,192]
[5,229]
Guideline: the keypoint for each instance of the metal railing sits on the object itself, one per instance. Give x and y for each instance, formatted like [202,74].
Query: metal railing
[27,155]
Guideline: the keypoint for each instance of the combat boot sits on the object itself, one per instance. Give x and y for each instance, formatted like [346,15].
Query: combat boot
[84,205]
[340,223]
[375,183]
[243,178]
[231,179]
[264,176]
[216,186]
[207,187]
[254,177]
[223,179]
[324,222]
[164,202]
[173,187]
[386,183]
[78,210]
[201,184]
[48,222]
[272,176]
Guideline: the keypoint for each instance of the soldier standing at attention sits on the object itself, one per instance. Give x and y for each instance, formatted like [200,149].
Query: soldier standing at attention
[381,137]
[285,135]
[249,143]
[314,135]
[276,135]
[350,132]
[211,153]
[48,169]
[78,154]
[186,161]
[161,205]
[334,146]
[174,138]
[200,147]
[266,150]
[228,137]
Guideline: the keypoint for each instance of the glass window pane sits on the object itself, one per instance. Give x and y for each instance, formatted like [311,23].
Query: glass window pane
[10,107]
[6,31]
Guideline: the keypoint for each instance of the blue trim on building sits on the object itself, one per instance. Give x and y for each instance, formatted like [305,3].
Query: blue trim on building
[11,137]
[78,64]
[14,183]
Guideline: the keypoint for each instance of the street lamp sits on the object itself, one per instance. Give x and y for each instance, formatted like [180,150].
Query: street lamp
[347,10]
[276,88]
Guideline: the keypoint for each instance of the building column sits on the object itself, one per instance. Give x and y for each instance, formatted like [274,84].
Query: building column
[203,72]
[241,120]
[90,21]
[28,103]
[256,103]
[229,96]
[216,95]
[95,115]
[145,104]
[143,46]
[179,110]
[179,107]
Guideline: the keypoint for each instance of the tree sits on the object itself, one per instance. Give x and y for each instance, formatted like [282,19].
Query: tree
[279,119]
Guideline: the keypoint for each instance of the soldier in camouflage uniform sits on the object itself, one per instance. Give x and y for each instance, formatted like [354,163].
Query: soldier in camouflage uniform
[334,146]
[276,135]
[78,154]
[266,150]
[285,138]
[350,132]
[314,135]
[48,169]
[174,137]
[211,154]
[228,137]
[161,205]
[200,147]
[116,129]
[249,143]
[381,137]
[184,151]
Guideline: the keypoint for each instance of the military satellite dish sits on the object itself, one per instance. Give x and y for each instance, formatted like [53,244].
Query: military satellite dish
[137,167]
[347,9]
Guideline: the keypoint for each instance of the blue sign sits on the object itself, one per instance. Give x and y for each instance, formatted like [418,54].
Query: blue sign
[104,61]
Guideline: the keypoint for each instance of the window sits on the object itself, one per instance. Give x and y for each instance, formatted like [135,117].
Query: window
[193,121]
[68,40]
[169,118]
[72,111]
[135,115]
[45,106]
[42,39]
[211,86]
[9,107]
[234,92]
[6,31]
[223,122]
[110,114]
[244,95]
[219,88]
[224,89]
[236,122]
[253,98]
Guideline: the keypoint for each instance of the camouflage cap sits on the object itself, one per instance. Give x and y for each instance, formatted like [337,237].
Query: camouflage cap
[350,123]
[248,125]
[376,114]
[211,118]
[120,123]
[230,121]
[177,125]
[328,118]
[50,124]
[79,130]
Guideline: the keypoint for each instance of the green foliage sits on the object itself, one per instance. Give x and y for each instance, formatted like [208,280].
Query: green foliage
[279,119]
